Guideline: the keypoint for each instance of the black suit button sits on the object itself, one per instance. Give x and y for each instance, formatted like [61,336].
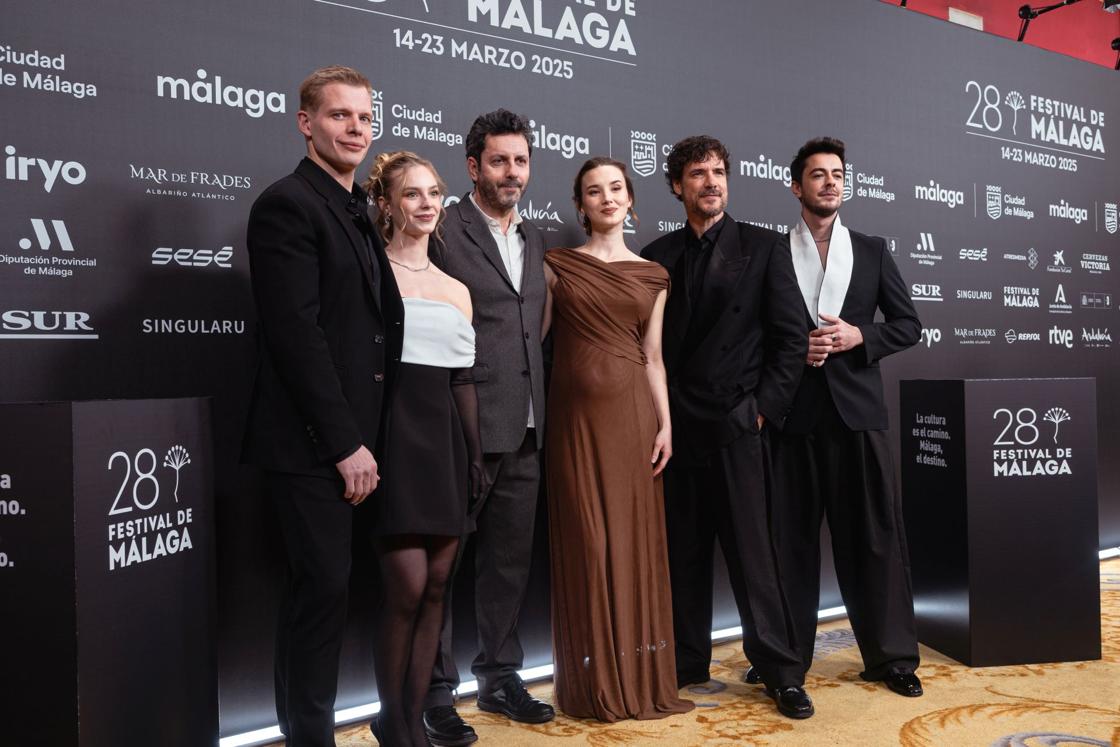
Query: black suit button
[524,373]
[526,335]
[521,299]
[379,377]
[735,309]
[379,339]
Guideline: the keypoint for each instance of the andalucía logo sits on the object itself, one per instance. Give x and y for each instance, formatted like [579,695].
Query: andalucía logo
[995,201]
[643,152]
[1110,217]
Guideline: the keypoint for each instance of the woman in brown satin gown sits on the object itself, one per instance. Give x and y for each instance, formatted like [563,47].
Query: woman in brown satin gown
[608,440]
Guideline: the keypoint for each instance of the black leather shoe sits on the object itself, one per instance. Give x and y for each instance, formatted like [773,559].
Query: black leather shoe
[375,727]
[904,683]
[752,677]
[684,679]
[515,702]
[445,729]
[792,702]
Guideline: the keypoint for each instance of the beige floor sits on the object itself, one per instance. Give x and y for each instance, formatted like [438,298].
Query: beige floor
[1020,706]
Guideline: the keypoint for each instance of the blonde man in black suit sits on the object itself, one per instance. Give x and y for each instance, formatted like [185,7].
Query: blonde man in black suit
[329,322]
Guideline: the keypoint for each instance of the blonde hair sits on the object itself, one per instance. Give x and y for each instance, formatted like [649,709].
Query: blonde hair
[311,89]
[383,181]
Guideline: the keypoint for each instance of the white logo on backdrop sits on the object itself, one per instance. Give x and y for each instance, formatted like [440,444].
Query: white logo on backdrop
[643,152]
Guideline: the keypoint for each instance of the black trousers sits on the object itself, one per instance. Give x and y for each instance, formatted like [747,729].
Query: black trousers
[847,476]
[317,527]
[727,498]
[503,547]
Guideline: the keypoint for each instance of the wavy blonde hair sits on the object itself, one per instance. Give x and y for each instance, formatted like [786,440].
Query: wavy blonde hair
[384,181]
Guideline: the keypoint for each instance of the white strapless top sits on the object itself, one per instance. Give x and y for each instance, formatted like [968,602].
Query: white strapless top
[436,334]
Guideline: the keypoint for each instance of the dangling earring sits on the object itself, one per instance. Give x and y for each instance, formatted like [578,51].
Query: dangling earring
[388,220]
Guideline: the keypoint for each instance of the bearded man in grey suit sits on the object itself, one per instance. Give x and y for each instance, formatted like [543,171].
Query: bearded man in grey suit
[499,257]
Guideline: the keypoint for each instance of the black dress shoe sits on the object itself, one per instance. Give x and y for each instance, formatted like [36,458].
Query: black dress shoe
[904,683]
[752,677]
[375,727]
[514,701]
[684,680]
[445,729]
[792,702]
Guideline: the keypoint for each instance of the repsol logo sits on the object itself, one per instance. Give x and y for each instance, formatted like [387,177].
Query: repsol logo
[253,101]
[566,145]
[19,168]
[936,193]
[1064,210]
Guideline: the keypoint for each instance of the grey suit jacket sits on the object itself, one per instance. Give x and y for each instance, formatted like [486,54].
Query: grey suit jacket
[507,321]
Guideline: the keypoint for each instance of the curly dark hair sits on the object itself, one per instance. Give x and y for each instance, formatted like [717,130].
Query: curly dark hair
[811,148]
[577,188]
[498,122]
[695,149]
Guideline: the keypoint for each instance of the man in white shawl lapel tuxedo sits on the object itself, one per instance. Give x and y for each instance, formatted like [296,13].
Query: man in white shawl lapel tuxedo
[833,456]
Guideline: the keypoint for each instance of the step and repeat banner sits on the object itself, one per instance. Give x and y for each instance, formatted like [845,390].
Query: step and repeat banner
[137,136]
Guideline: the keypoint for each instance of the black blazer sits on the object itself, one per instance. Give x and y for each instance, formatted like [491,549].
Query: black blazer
[329,338]
[507,322]
[741,349]
[852,377]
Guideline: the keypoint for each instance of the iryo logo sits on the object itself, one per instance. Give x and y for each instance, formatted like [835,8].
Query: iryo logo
[930,336]
[25,168]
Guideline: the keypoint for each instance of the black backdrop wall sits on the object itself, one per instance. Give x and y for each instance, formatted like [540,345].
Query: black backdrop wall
[137,135]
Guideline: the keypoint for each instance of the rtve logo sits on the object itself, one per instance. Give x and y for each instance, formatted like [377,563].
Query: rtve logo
[1063,337]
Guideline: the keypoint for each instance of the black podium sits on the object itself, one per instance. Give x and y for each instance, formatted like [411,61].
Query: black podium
[999,490]
[107,574]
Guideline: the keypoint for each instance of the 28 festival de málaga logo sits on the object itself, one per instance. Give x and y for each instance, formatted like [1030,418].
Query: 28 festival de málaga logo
[1035,127]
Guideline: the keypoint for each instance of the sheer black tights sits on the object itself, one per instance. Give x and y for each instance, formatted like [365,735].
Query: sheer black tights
[414,576]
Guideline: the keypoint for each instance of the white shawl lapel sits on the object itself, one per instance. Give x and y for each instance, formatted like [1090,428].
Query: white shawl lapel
[822,288]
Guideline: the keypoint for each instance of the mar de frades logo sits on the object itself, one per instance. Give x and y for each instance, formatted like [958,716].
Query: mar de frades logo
[145,522]
[643,152]
[1028,443]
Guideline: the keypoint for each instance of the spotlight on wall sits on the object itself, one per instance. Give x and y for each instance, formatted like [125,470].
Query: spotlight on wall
[1028,14]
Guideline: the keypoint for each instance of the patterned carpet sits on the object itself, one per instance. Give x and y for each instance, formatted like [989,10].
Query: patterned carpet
[1019,706]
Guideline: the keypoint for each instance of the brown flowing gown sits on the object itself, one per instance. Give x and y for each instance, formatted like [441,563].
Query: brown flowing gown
[612,620]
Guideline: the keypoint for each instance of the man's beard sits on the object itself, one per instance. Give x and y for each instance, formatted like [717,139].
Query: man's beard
[818,209]
[698,205]
[493,197]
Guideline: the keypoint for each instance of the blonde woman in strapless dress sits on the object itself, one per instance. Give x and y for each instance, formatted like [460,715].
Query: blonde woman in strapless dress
[432,464]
